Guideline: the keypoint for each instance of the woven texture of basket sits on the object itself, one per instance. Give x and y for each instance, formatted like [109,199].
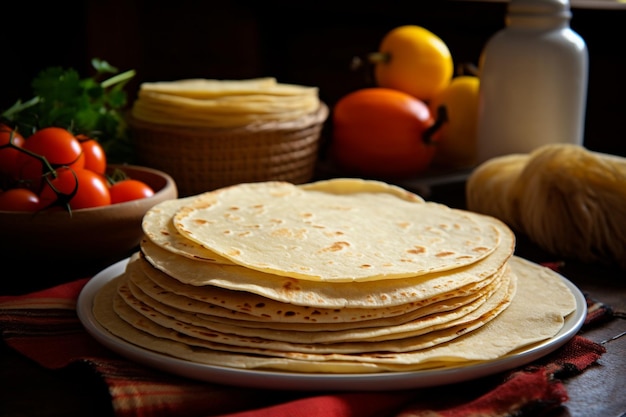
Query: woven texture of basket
[204,159]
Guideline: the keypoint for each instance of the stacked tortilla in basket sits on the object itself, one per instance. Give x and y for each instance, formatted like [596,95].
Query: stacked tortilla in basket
[338,276]
[206,103]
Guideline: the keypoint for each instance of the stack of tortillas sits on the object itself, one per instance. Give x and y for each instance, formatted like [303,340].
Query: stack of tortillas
[208,133]
[338,276]
[223,103]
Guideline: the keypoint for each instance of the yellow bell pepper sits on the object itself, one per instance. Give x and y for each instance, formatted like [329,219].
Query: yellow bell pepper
[458,103]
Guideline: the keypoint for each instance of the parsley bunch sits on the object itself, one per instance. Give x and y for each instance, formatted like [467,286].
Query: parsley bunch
[92,106]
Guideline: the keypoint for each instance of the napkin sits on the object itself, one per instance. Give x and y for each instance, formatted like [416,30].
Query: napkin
[48,319]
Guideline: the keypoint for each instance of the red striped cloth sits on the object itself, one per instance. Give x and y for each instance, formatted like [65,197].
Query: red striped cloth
[48,319]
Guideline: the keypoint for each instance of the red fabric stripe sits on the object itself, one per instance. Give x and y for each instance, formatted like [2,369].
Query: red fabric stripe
[67,291]
[522,391]
[337,405]
[60,350]
[47,318]
[574,357]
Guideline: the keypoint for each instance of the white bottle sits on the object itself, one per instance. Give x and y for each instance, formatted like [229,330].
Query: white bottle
[533,81]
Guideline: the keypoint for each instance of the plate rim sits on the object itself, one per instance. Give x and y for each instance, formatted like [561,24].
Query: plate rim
[283,380]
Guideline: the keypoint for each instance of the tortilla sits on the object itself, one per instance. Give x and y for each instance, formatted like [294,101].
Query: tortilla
[476,312]
[319,294]
[200,88]
[236,278]
[535,313]
[250,310]
[356,185]
[224,104]
[230,105]
[158,227]
[279,228]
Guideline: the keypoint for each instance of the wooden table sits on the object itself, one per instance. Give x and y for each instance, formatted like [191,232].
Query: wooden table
[29,390]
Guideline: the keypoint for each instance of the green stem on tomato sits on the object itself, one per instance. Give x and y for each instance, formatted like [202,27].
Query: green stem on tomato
[47,166]
[63,200]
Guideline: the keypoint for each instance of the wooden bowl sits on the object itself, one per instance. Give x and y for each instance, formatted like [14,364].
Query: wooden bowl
[57,241]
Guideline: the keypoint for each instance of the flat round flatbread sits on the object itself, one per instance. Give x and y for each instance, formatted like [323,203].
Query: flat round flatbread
[535,313]
[224,104]
[343,275]
[158,226]
[319,294]
[279,228]
[200,88]
[394,335]
[343,186]
[252,310]
[232,105]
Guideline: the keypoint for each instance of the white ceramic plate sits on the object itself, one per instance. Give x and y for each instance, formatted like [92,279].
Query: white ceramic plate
[311,381]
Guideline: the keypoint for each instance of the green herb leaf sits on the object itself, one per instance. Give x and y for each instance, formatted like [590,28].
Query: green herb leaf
[91,106]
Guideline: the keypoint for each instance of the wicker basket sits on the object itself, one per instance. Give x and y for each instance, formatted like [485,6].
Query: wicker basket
[204,159]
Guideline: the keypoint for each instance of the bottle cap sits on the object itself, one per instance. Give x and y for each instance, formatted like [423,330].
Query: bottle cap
[530,8]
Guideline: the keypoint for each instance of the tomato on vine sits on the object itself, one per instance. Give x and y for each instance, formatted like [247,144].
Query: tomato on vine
[93,153]
[53,169]
[19,199]
[8,152]
[75,189]
[58,146]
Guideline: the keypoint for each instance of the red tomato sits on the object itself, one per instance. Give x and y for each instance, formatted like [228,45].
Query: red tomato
[82,187]
[95,158]
[9,155]
[380,132]
[57,145]
[19,199]
[128,190]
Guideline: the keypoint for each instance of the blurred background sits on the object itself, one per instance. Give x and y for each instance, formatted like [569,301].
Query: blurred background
[309,43]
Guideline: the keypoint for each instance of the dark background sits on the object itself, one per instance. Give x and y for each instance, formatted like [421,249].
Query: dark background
[310,43]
